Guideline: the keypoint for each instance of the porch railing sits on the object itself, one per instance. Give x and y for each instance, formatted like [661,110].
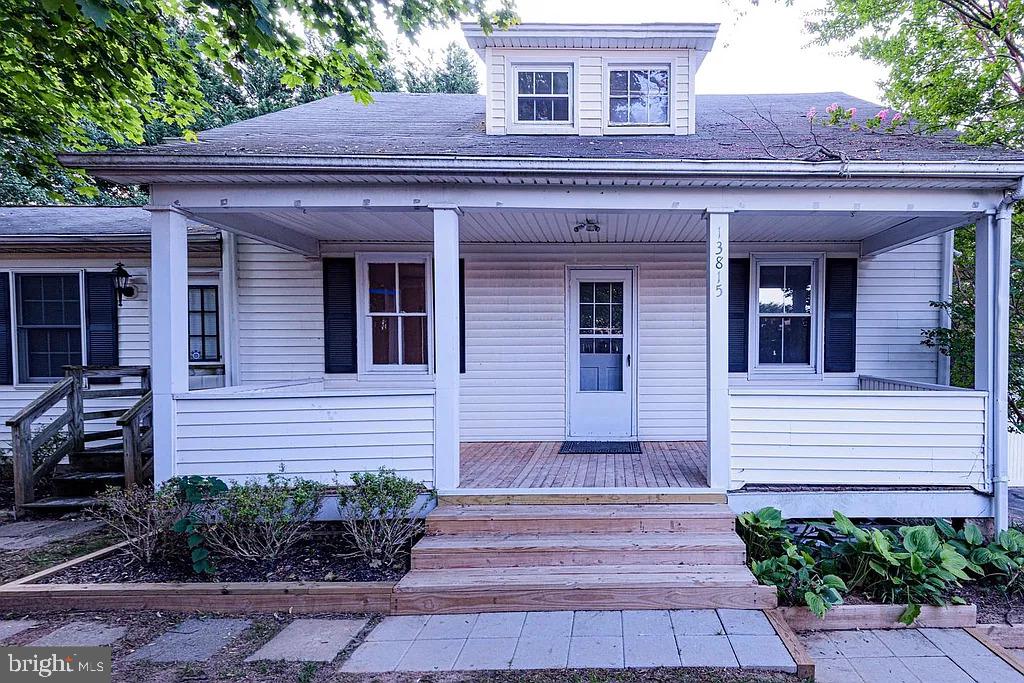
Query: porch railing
[872,383]
[137,432]
[65,434]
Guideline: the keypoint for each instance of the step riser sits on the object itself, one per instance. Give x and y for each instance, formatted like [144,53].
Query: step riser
[97,462]
[484,599]
[451,527]
[477,559]
[78,487]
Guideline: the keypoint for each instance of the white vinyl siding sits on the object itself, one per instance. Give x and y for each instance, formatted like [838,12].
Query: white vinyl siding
[883,438]
[590,87]
[893,295]
[280,314]
[319,435]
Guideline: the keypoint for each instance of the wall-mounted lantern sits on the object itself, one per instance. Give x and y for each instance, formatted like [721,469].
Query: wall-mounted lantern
[121,287]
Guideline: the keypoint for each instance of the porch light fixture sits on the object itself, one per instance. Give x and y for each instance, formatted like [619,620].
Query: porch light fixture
[121,287]
[588,225]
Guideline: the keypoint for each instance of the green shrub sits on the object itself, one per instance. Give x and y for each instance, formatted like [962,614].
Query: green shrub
[193,493]
[798,579]
[257,521]
[377,514]
[764,533]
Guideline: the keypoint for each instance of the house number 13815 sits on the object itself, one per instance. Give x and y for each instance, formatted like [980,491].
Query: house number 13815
[719,266]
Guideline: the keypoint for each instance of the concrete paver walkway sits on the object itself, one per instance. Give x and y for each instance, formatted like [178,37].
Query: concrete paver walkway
[193,640]
[928,655]
[553,640]
[310,640]
[36,534]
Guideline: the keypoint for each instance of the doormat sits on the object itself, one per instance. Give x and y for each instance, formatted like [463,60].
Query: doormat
[600,447]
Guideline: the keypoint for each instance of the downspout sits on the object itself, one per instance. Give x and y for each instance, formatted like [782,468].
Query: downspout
[998,389]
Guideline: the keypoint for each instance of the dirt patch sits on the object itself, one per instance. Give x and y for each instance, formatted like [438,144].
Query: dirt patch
[994,606]
[316,559]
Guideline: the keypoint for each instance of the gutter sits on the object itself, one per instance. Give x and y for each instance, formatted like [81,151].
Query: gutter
[126,164]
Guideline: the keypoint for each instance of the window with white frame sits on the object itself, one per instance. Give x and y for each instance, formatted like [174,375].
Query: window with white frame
[638,96]
[203,324]
[543,95]
[785,306]
[48,314]
[396,305]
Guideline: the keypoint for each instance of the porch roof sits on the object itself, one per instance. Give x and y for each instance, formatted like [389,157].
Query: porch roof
[400,133]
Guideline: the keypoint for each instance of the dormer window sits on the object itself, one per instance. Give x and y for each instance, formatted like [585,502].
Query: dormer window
[543,95]
[638,96]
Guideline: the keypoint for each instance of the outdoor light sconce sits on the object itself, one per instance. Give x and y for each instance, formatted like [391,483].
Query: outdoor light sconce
[587,225]
[121,287]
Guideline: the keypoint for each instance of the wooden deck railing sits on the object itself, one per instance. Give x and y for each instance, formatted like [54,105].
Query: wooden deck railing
[31,429]
[137,431]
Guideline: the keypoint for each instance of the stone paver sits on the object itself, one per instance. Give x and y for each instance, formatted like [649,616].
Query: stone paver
[650,650]
[706,651]
[746,622]
[376,656]
[12,627]
[81,634]
[540,652]
[448,626]
[597,624]
[398,628]
[762,652]
[310,640]
[883,670]
[498,625]
[431,655]
[193,640]
[697,622]
[603,652]
[486,654]
[890,656]
[36,534]
[908,643]
[584,639]
[646,623]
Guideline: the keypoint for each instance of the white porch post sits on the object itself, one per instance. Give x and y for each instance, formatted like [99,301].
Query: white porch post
[717,363]
[168,288]
[991,345]
[446,347]
[229,299]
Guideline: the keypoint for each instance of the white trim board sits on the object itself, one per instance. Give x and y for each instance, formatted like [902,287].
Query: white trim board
[882,503]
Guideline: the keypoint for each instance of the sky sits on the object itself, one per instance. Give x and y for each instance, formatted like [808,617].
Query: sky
[762,49]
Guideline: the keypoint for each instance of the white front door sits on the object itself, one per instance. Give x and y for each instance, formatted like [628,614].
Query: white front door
[600,342]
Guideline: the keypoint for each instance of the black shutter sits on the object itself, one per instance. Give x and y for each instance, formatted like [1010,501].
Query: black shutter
[6,333]
[840,315]
[739,310]
[101,323]
[462,315]
[340,315]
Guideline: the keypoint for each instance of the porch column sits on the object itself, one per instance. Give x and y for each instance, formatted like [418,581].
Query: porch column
[168,287]
[717,363]
[446,347]
[991,345]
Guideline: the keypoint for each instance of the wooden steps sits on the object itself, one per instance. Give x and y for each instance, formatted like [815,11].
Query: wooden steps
[571,556]
[582,497]
[456,519]
[545,550]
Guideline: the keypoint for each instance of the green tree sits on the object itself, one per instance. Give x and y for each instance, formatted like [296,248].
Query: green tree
[951,63]
[71,67]
[455,72]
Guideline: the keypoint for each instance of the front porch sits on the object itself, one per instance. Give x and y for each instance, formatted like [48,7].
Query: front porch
[539,465]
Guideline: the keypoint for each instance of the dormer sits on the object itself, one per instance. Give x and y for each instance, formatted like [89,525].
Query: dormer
[592,79]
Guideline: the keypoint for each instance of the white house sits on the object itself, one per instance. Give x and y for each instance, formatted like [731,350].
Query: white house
[454,285]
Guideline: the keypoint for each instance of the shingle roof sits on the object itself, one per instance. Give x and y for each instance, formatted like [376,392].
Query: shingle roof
[404,124]
[79,221]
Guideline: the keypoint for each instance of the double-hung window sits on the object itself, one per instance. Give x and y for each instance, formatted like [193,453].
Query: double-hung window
[786,308]
[49,324]
[203,324]
[638,96]
[543,95]
[395,305]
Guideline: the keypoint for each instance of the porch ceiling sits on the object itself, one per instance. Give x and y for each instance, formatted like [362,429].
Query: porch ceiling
[302,229]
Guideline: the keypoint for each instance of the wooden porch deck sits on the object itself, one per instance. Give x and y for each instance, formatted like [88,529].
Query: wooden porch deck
[537,464]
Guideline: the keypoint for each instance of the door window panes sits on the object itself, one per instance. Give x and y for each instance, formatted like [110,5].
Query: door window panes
[203,324]
[601,329]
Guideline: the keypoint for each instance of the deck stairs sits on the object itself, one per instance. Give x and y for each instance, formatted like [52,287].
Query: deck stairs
[83,434]
[574,556]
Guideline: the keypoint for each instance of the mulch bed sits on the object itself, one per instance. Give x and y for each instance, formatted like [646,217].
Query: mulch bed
[316,559]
